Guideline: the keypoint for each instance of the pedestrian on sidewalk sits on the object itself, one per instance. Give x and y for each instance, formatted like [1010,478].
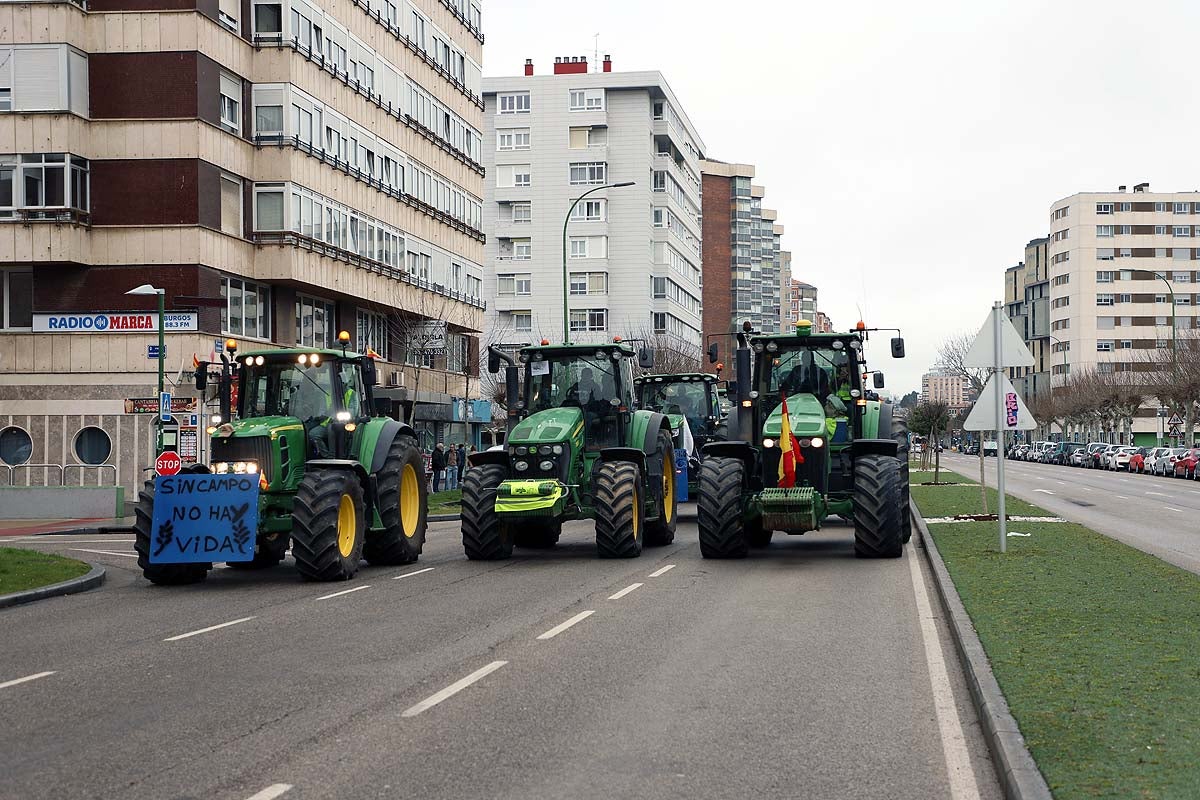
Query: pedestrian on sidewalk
[438,463]
[452,468]
[462,461]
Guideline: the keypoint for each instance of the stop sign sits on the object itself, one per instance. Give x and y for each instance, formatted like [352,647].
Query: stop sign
[167,463]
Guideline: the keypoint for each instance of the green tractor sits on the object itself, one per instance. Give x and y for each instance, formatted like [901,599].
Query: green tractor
[576,448]
[852,457]
[693,408]
[335,480]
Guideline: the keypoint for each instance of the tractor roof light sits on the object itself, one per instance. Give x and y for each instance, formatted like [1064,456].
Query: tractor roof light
[772,347]
[803,327]
[344,337]
[861,401]
[302,358]
[545,342]
[616,340]
[231,345]
[860,326]
[838,344]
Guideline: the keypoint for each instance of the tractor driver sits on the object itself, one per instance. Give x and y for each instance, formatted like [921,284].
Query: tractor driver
[695,421]
[312,403]
[836,404]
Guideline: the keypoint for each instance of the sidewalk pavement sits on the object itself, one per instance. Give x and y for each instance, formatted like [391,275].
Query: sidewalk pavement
[32,527]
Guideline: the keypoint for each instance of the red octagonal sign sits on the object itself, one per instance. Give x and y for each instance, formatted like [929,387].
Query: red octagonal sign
[167,463]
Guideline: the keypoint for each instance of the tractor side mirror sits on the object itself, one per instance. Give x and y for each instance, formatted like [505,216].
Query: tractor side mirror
[898,347]
[493,362]
[878,380]
[201,376]
[646,358]
[370,375]
[714,350]
[383,406]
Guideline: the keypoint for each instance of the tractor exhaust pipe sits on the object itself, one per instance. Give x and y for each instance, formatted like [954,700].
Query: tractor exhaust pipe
[742,367]
[512,384]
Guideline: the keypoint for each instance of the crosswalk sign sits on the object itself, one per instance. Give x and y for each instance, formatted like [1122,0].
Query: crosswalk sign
[1175,420]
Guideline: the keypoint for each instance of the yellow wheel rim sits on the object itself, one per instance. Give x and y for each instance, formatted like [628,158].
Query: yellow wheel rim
[668,489]
[347,526]
[637,515]
[410,500]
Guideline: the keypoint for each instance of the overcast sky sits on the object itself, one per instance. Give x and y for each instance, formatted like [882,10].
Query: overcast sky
[911,149]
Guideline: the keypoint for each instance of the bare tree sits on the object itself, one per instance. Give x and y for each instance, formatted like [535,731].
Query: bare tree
[932,420]
[422,331]
[952,356]
[1174,378]
[671,355]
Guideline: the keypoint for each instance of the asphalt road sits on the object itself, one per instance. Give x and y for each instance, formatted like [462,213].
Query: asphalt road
[799,672]
[1149,512]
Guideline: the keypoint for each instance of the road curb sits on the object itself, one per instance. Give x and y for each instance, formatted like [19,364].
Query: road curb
[93,531]
[443,517]
[1018,772]
[91,580]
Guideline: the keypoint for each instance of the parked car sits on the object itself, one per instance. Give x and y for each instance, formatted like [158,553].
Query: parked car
[1153,454]
[1107,454]
[1061,452]
[1100,456]
[990,448]
[971,449]
[1185,463]
[1137,461]
[1165,465]
[1019,451]
[1078,454]
[1120,459]
[1044,450]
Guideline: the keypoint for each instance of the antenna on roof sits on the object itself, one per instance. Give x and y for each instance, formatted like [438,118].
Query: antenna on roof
[596,53]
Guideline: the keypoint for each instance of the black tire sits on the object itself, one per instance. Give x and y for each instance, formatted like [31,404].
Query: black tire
[619,510]
[900,434]
[756,536]
[326,544]
[485,536]
[719,509]
[662,530]
[160,574]
[403,504]
[878,527]
[268,555]
[537,534]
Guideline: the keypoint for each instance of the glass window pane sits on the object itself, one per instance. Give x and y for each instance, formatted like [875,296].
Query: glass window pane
[20,299]
[270,211]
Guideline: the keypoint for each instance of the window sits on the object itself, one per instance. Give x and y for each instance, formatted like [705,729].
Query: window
[1124,298]
[1106,323]
[1161,298]
[1124,230]
[660,322]
[510,175]
[589,247]
[586,100]
[1104,346]
[1183,208]
[584,283]
[42,181]
[1062,302]
[1104,230]
[268,19]
[588,173]
[1060,324]
[582,138]
[1101,300]
[247,310]
[522,321]
[16,298]
[1181,277]
[1104,208]
[268,121]
[1105,276]
[591,319]
[522,212]
[589,211]
[522,249]
[231,205]
[1105,254]
[92,445]
[1183,300]
[1125,207]
[372,332]
[418,30]
[1125,252]
[512,139]
[15,446]
[517,284]
[314,322]
[1181,230]
[517,103]
[1160,343]
[268,208]
[1160,207]
[231,103]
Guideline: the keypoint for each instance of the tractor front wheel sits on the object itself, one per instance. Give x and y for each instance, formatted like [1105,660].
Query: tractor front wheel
[161,574]
[485,536]
[662,530]
[878,512]
[328,525]
[900,434]
[402,506]
[719,509]
[619,510]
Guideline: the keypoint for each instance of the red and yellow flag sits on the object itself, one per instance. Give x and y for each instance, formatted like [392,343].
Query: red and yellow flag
[789,451]
[371,353]
[195,362]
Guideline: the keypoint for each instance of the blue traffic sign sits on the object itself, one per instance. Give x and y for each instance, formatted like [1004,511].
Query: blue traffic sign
[164,407]
[152,351]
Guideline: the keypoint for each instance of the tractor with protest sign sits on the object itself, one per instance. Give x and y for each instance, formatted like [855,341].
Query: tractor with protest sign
[302,458]
[810,441]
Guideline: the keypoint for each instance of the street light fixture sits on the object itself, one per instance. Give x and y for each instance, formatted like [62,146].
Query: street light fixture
[566,221]
[147,289]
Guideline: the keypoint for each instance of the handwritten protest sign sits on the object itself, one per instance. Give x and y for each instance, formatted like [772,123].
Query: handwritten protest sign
[203,518]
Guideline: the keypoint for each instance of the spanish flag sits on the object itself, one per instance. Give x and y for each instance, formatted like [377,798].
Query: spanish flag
[195,362]
[371,353]
[789,451]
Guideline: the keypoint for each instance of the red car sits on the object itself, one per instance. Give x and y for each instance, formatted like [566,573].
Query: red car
[1137,461]
[1185,465]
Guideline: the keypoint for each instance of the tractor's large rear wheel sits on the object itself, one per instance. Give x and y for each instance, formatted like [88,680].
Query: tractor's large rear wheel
[900,434]
[719,509]
[619,510]
[878,527]
[538,534]
[161,574]
[486,537]
[402,506]
[328,525]
[662,530]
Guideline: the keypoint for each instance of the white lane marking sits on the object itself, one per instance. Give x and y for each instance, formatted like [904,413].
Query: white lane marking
[344,591]
[26,679]
[557,629]
[1122,497]
[1123,480]
[73,540]
[1061,483]
[1044,491]
[669,567]
[954,743]
[271,792]
[1159,494]
[104,552]
[206,630]
[624,591]
[1178,510]
[452,689]
[414,572]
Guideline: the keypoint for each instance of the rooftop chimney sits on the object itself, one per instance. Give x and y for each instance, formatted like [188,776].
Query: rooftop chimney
[1121,188]
[1141,187]
[608,63]
[528,67]
[570,65]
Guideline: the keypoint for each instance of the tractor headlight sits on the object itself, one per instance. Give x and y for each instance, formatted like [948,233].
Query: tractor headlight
[220,467]
[514,451]
[343,416]
[251,467]
[818,441]
[521,466]
[546,465]
[557,449]
[215,419]
[768,442]
[758,347]
[238,467]
[544,449]
[772,347]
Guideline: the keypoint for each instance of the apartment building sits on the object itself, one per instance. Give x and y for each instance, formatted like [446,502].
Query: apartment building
[633,253]
[801,303]
[280,169]
[1027,303]
[942,387]
[742,254]
[824,324]
[1117,259]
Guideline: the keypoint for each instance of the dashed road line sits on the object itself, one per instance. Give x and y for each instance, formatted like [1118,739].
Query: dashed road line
[1044,491]
[1122,497]
[414,572]
[1086,489]
[26,679]
[1160,494]
[453,689]
[344,591]
[624,591]
[557,629]
[105,552]
[668,567]
[189,634]
[1177,510]
[271,792]
[1061,483]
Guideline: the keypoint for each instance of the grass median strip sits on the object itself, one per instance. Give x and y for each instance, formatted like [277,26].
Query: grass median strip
[1095,644]
[22,569]
[447,502]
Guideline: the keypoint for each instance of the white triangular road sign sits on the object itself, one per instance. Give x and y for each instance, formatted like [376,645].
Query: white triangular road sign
[983,415]
[1175,420]
[1013,352]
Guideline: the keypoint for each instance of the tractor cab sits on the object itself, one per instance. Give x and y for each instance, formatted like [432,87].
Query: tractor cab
[688,398]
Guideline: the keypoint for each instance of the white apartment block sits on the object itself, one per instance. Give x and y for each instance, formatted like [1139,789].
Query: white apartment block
[938,387]
[633,253]
[1107,307]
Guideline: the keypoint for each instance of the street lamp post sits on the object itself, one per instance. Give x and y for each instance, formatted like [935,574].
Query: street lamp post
[1174,351]
[147,289]
[566,221]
